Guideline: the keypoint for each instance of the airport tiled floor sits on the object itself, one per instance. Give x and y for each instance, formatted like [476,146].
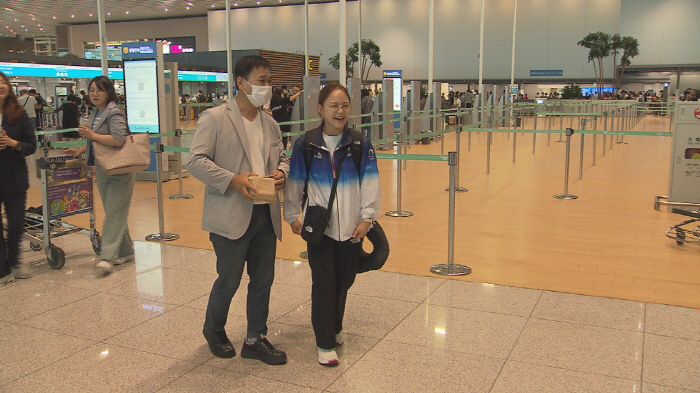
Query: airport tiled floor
[139,330]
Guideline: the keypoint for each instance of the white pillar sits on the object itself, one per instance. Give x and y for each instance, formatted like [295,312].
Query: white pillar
[512,61]
[306,37]
[481,55]
[343,39]
[229,66]
[431,48]
[103,37]
[359,38]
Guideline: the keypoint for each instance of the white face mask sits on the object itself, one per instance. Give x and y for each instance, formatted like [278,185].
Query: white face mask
[260,96]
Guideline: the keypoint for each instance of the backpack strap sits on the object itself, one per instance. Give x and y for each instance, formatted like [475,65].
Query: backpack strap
[309,151]
[356,149]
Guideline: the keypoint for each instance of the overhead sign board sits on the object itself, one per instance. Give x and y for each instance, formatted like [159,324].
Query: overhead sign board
[392,73]
[546,72]
[139,50]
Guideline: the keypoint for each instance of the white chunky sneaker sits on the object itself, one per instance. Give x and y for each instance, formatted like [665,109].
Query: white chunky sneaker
[105,266]
[328,358]
[339,339]
[9,279]
[21,271]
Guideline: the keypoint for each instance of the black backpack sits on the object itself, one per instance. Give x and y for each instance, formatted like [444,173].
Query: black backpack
[368,261]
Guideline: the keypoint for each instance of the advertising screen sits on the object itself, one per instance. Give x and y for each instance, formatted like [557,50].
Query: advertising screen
[141,88]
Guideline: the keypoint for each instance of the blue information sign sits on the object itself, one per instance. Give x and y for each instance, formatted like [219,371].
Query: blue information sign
[546,72]
[392,74]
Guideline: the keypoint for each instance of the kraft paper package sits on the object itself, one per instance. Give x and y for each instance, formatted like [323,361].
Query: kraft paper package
[266,188]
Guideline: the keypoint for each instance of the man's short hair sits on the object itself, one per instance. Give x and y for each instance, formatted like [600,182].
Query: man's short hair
[32,91]
[246,64]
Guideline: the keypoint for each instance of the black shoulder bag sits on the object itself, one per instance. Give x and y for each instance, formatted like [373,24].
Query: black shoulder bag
[317,218]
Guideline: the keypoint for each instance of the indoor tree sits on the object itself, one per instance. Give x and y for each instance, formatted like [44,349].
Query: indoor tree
[630,49]
[599,47]
[370,57]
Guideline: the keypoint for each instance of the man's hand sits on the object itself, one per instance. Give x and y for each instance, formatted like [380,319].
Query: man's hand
[296,227]
[280,179]
[241,184]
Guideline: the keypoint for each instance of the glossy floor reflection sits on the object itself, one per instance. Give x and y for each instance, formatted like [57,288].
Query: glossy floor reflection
[139,330]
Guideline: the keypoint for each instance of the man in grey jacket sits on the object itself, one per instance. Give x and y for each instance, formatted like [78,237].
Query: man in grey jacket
[233,142]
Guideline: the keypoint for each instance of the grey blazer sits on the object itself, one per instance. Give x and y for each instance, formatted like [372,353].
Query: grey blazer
[112,122]
[220,150]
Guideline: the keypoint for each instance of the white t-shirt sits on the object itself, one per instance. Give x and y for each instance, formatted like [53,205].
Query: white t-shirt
[254,132]
[28,102]
[332,142]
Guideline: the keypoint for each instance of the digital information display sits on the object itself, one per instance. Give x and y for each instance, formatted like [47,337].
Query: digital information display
[141,87]
[397,76]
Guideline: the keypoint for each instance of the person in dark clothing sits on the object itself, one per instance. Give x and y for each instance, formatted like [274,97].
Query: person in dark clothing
[279,104]
[71,115]
[17,140]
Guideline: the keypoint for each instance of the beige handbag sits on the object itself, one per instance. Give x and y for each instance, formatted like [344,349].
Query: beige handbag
[133,156]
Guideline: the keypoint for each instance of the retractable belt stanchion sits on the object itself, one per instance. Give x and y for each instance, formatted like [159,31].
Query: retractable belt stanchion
[580,164]
[595,142]
[566,195]
[458,144]
[181,194]
[488,148]
[449,268]
[605,128]
[515,136]
[561,125]
[161,236]
[398,212]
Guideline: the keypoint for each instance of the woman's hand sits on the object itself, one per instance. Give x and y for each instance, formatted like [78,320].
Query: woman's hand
[361,230]
[296,227]
[72,152]
[6,140]
[86,132]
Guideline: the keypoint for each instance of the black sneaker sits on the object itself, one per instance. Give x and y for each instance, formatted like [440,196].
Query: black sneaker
[219,344]
[262,350]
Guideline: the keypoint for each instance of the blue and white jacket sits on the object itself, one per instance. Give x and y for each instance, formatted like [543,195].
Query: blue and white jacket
[357,196]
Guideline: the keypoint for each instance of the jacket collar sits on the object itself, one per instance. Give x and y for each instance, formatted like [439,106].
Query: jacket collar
[318,141]
[103,118]
[233,112]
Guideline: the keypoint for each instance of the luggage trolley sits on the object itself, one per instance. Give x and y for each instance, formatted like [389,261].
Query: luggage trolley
[66,185]
[684,235]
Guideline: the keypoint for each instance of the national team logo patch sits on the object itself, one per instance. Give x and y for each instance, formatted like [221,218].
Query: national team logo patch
[371,155]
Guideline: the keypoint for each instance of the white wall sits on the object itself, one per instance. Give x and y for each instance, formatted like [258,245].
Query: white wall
[123,31]
[666,30]
[548,31]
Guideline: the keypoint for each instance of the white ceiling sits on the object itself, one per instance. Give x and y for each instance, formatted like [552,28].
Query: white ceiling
[38,18]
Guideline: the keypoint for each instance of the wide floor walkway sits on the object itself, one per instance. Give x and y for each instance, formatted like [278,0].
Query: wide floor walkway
[139,330]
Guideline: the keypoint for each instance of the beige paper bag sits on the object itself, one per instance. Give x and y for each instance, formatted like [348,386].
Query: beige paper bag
[266,188]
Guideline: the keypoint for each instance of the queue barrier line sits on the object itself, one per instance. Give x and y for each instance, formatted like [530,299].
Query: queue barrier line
[591,132]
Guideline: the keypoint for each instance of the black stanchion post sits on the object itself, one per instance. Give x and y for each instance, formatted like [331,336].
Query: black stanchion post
[449,268]
[181,194]
[161,236]
[566,195]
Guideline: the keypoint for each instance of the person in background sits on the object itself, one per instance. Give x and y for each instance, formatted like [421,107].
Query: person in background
[17,140]
[279,105]
[107,125]
[468,99]
[366,106]
[29,104]
[334,262]
[38,108]
[232,143]
[71,116]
